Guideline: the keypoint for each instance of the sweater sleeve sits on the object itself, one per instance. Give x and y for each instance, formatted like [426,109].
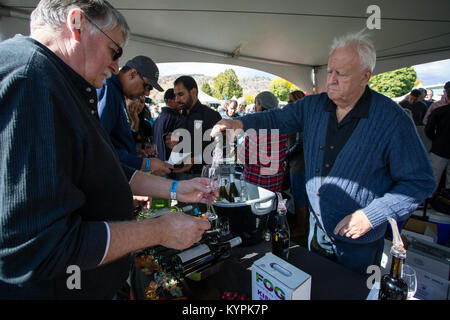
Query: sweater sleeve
[411,173]
[41,233]
[287,120]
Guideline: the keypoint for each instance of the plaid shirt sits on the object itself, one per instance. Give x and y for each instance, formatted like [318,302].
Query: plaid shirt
[265,160]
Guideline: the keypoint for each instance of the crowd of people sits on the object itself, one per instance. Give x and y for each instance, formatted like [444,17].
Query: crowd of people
[79,144]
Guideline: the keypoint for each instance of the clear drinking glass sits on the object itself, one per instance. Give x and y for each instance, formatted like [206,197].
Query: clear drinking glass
[213,174]
[409,276]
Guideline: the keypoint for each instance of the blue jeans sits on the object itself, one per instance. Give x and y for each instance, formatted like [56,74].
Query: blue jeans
[355,256]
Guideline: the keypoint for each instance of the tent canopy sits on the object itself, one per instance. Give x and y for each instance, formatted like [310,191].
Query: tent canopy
[288,38]
[205,98]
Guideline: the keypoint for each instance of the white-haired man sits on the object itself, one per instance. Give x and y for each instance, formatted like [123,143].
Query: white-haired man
[358,146]
[65,196]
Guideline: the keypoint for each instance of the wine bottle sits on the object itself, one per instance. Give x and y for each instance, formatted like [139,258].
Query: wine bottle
[281,234]
[392,286]
[200,257]
[233,189]
[280,238]
[223,193]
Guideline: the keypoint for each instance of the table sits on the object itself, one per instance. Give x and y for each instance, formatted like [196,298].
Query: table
[330,281]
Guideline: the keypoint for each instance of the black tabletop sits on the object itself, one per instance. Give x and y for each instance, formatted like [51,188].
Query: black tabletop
[330,281]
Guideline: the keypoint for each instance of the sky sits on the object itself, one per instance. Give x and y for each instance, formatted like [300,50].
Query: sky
[430,73]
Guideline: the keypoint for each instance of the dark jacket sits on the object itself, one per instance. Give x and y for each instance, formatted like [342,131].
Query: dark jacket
[438,130]
[61,179]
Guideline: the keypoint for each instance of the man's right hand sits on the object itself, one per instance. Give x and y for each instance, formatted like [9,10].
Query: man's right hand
[180,231]
[158,167]
[226,124]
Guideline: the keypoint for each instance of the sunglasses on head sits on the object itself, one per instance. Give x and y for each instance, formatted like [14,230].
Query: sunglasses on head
[119,51]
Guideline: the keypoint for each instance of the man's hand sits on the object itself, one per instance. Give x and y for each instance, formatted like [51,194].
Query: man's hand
[196,190]
[226,124]
[134,107]
[180,231]
[354,225]
[185,168]
[159,167]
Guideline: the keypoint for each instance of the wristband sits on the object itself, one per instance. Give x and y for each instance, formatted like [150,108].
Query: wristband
[173,190]
[147,165]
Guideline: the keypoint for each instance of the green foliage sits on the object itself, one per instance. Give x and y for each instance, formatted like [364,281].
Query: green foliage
[226,83]
[281,88]
[394,83]
[250,98]
[206,88]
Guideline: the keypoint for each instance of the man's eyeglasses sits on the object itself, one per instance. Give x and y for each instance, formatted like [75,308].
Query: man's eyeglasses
[118,53]
[147,86]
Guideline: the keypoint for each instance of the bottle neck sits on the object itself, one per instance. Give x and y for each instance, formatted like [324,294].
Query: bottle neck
[396,267]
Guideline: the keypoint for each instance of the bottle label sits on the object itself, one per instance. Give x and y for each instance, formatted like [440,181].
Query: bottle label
[193,253]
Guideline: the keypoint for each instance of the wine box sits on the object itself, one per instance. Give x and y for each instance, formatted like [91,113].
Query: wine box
[276,279]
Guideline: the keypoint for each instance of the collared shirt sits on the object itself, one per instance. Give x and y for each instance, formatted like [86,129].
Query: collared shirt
[339,133]
[200,119]
[265,160]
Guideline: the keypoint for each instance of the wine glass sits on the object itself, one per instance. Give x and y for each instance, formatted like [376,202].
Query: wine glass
[409,276]
[150,147]
[213,174]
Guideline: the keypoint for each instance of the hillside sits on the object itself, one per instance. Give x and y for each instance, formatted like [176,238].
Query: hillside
[252,85]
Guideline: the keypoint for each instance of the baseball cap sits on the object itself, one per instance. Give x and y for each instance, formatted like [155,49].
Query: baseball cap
[147,68]
[267,100]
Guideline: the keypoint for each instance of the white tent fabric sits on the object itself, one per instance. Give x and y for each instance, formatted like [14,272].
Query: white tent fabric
[204,98]
[288,38]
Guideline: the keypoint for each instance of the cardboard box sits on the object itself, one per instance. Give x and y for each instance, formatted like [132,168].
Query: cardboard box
[431,286]
[432,264]
[275,279]
[430,257]
[420,230]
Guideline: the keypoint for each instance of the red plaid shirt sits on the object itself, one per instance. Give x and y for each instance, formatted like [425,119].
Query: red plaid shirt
[265,160]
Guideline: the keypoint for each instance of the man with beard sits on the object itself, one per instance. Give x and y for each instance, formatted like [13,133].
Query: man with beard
[197,118]
[137,78]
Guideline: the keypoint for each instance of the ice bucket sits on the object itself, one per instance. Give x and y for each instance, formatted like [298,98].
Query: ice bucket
[248,219]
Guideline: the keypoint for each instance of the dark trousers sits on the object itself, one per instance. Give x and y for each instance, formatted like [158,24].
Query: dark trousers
[354,256]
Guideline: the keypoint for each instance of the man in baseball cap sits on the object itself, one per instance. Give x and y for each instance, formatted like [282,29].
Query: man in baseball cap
[137,78]
[146,68]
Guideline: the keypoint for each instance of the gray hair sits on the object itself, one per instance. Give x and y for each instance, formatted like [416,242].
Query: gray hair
[53,13]
[363,45]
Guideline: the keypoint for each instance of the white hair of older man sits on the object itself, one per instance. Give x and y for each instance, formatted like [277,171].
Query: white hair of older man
[363,45]
[53,13]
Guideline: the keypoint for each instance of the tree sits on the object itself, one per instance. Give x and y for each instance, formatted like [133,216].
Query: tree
[250,98]
[226,83]
[281,88]
[394,83]
[206,88]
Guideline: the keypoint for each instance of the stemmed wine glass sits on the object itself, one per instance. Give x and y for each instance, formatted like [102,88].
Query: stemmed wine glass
[409,276]
[213,174]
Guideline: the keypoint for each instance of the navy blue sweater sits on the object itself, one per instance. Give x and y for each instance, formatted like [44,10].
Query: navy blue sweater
[383,169]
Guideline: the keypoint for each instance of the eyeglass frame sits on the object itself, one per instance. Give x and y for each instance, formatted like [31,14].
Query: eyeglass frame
[147,86]
[117,53]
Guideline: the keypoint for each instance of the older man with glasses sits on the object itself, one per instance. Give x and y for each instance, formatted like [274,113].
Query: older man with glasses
[136,79]
[66,205]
